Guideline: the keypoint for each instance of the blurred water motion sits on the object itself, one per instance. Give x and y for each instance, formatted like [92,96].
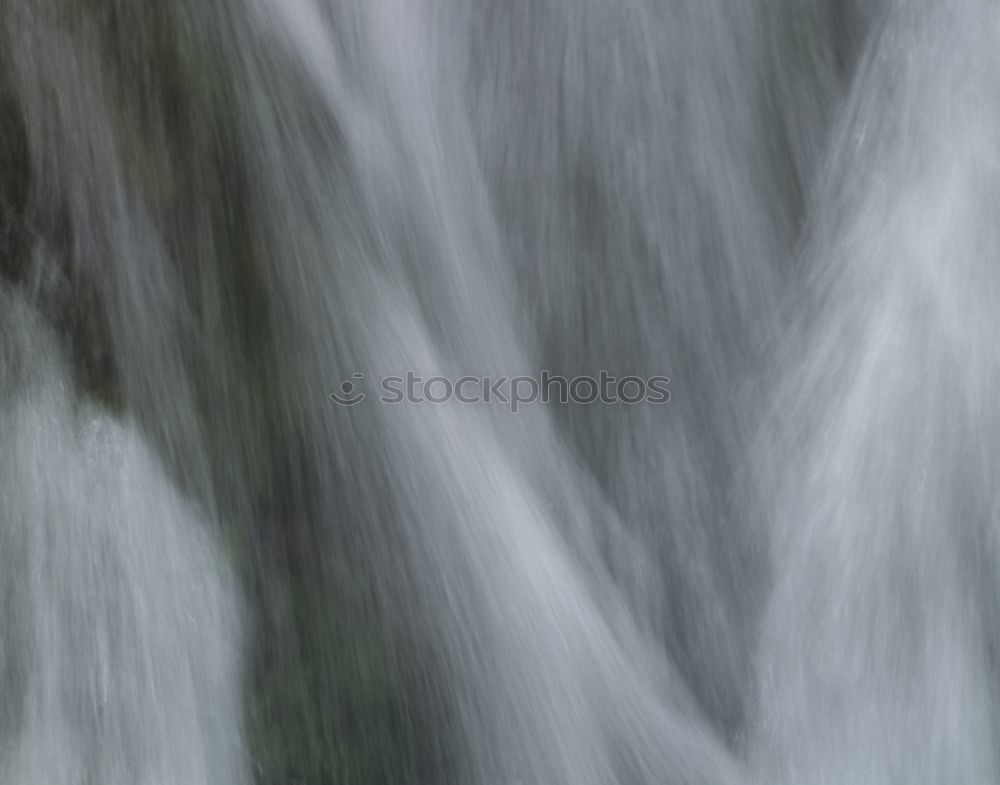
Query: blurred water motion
[213,213]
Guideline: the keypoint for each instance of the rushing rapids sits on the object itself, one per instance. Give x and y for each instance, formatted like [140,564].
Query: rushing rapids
[215,213]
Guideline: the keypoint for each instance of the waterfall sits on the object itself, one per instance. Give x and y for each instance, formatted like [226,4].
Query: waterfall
[229,229]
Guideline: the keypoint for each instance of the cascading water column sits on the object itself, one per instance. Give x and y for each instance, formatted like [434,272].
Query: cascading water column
[121,649]
[877,656]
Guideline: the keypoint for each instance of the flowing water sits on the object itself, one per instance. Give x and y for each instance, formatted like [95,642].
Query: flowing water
[214,212]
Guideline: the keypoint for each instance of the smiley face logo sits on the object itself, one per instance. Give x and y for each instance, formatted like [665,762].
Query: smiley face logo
[349,393]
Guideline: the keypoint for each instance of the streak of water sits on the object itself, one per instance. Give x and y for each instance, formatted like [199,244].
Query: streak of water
[212,213]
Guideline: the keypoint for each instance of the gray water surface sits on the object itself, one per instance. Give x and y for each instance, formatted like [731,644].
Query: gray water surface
[213,212]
